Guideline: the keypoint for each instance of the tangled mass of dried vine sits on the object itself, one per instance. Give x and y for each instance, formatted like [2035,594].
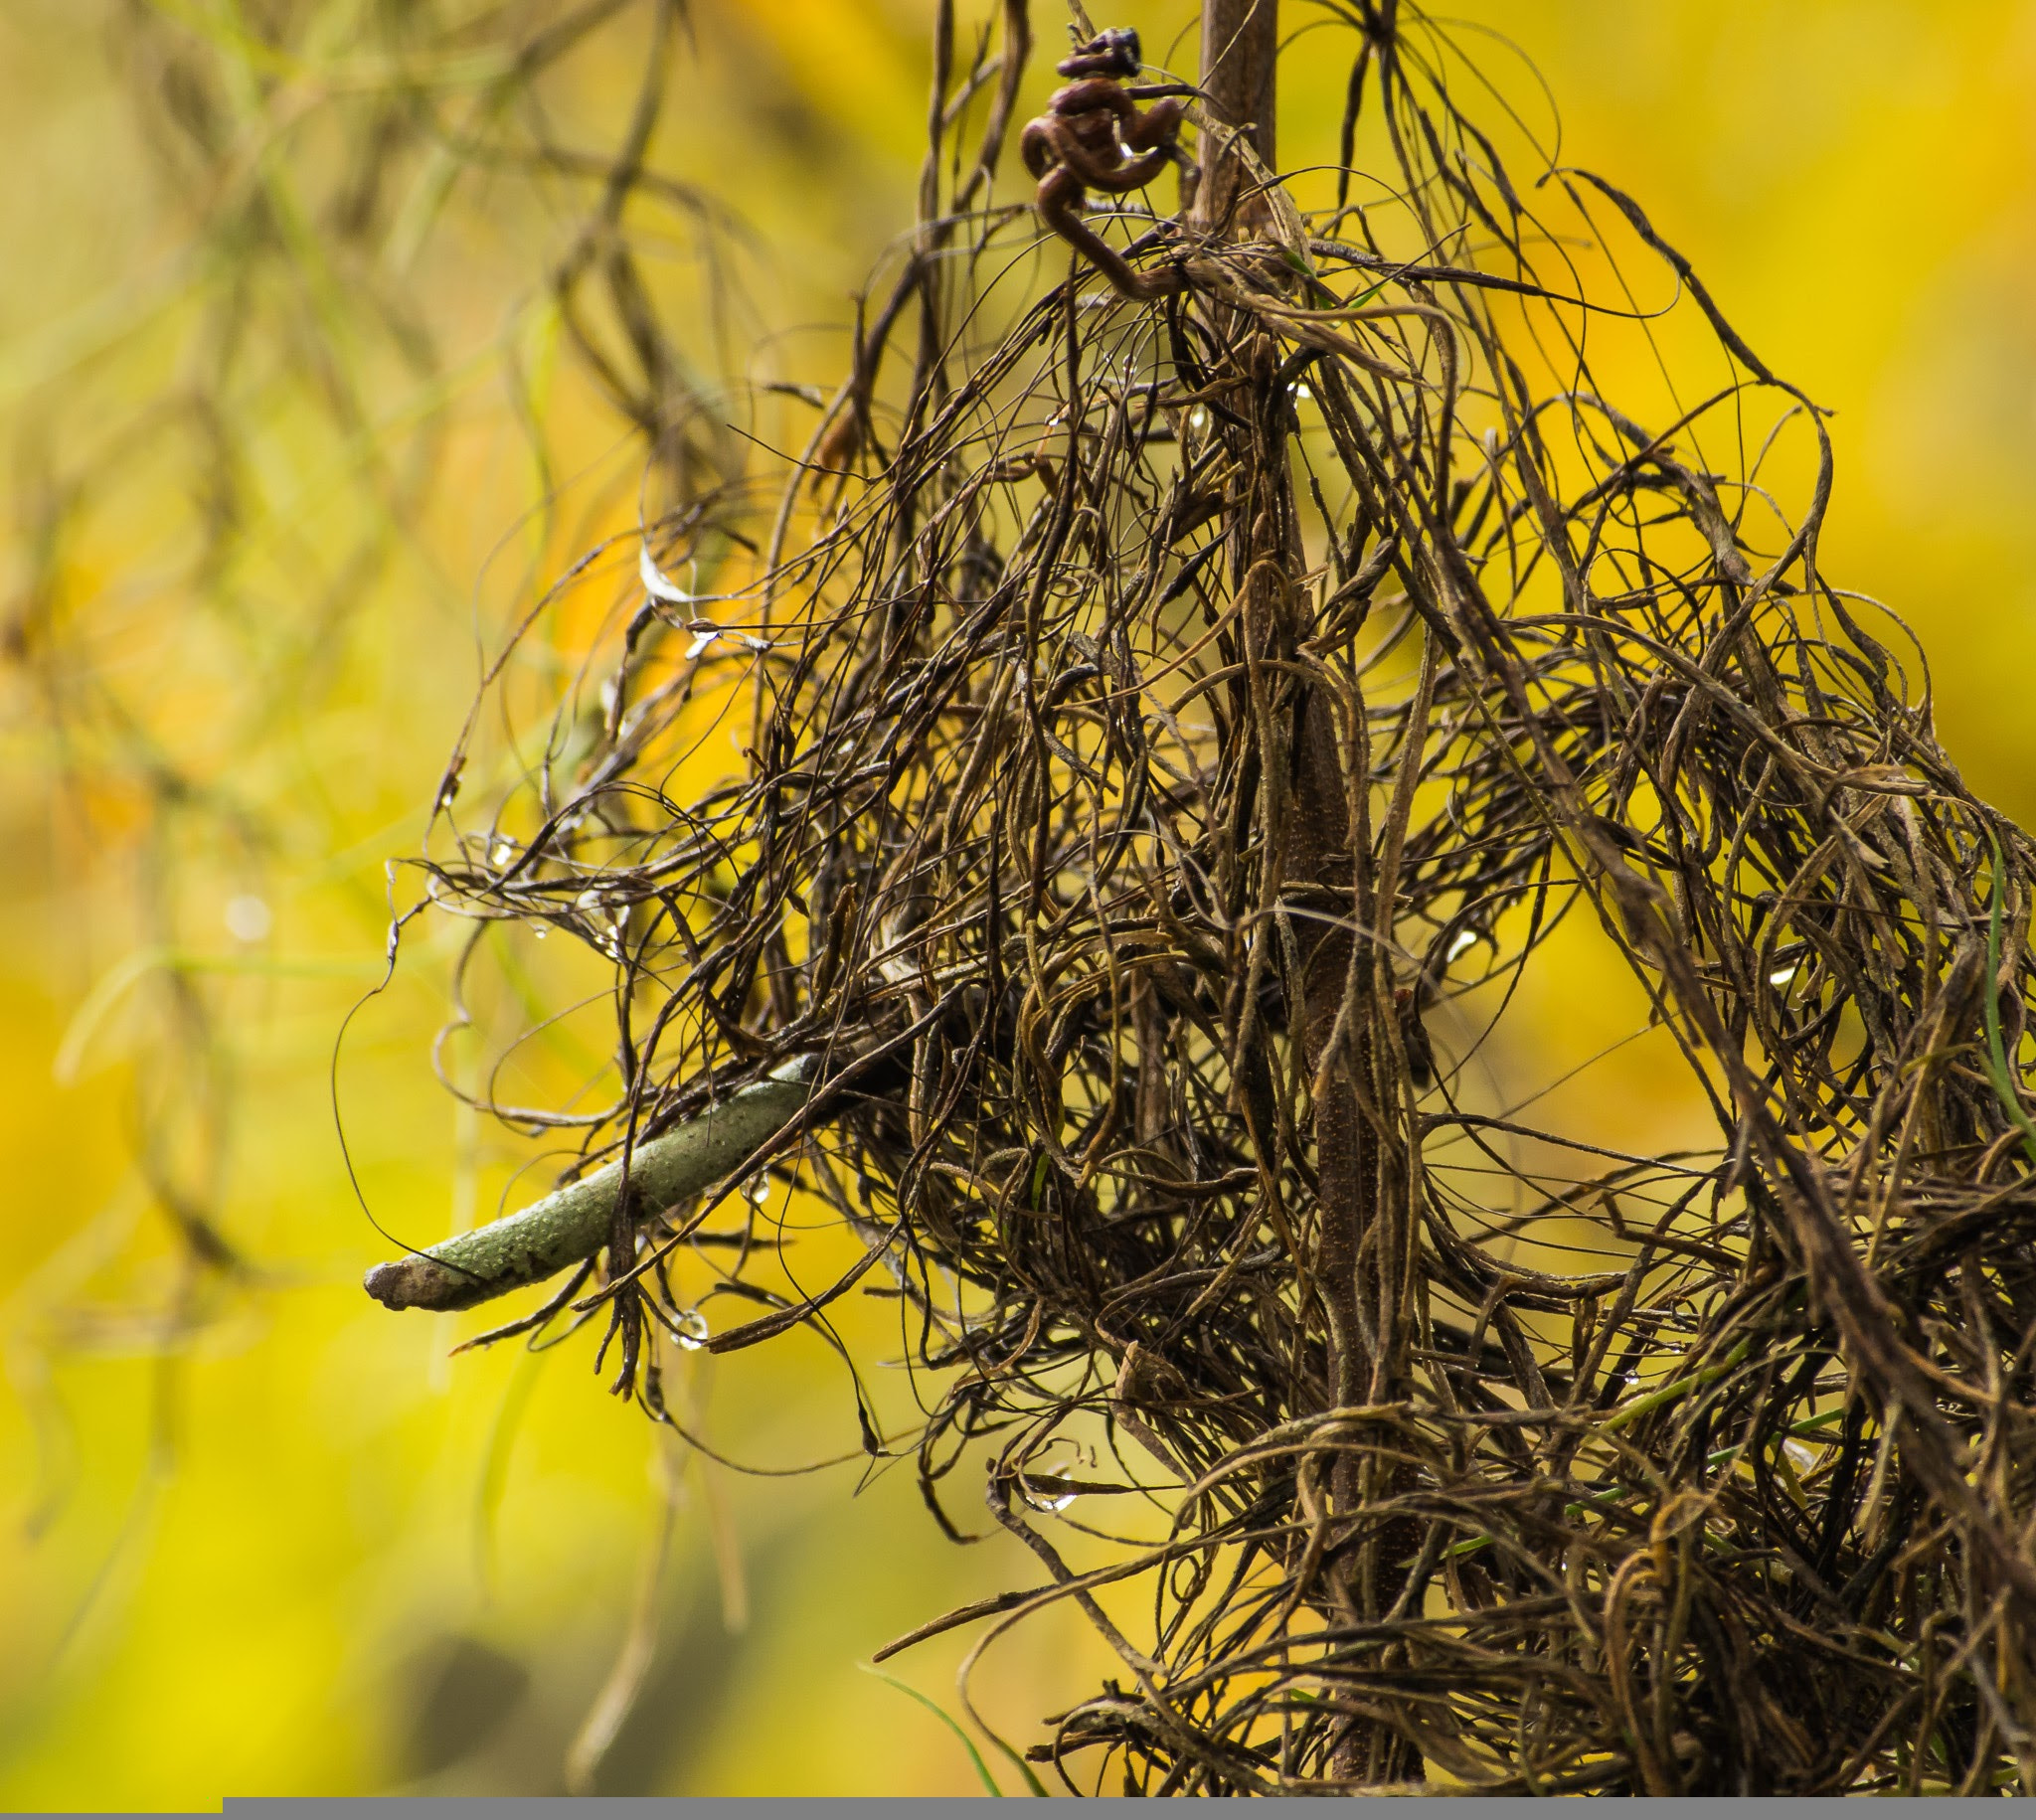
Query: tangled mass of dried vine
[1177,722]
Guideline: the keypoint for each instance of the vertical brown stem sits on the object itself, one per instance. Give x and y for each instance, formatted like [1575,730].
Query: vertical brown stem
[1240,60]
[1306,796]
[1318,847]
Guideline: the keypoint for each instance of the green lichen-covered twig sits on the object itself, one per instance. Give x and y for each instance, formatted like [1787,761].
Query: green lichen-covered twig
[573,1223]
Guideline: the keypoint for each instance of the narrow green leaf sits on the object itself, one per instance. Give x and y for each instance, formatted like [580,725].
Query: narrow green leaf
[946,1718]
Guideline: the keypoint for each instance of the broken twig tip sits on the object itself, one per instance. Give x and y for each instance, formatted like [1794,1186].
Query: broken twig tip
[420,1282]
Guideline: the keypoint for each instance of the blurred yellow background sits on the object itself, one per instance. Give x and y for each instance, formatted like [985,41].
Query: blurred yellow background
[258,1535]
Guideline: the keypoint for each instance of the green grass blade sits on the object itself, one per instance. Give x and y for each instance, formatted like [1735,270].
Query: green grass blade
[952,1724]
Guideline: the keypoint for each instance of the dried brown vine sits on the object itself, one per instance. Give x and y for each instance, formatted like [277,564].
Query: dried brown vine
[1164,711]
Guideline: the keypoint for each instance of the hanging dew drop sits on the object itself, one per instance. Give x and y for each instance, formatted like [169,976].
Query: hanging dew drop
[1041,1498]
[693,1331]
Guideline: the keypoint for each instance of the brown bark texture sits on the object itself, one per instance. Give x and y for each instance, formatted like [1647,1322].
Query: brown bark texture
[1240,69]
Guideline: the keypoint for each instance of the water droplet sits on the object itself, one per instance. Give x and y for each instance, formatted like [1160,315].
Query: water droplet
[693,1331]
[1464,939]
[501,853]
[540,930]
[1198,418]
[758,1188]
[1783,975]
[1042,1499]
[700,640]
